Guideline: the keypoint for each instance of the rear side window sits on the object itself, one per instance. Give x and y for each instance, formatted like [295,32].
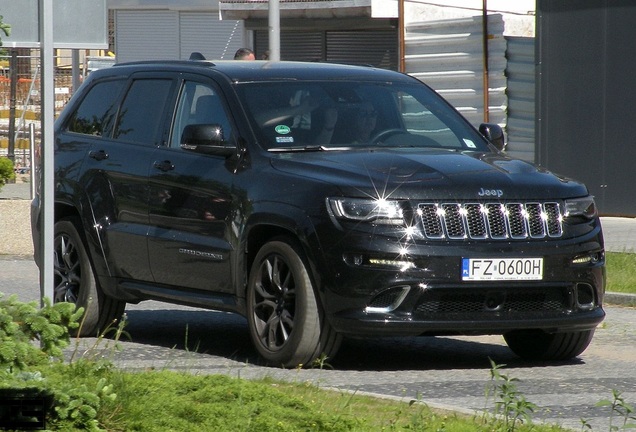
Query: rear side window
[95,114]
[142,111]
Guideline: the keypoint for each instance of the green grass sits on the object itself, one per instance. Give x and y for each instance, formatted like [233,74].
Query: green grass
[181,401]
[621,274]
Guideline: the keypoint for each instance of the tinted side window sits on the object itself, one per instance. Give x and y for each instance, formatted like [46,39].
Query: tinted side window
[96,112]
[142,110]
[200,104]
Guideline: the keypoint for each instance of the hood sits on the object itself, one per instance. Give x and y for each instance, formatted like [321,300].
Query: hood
[429,174]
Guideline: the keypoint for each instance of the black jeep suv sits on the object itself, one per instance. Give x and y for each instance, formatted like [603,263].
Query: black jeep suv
[319,201]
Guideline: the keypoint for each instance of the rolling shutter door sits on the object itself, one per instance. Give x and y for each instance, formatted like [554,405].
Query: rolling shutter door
[369,47]
[294,45]
[378,48]
[146,35]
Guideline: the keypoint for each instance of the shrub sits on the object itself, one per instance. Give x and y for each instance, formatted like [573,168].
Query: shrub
[6,171]
[23,323]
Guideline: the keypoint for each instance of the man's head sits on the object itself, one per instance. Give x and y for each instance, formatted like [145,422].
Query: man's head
[244,54]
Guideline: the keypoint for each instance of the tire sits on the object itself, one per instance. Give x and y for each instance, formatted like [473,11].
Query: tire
[539,345]
[75,281]
[286,322]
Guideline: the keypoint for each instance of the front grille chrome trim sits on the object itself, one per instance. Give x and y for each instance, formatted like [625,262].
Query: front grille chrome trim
[491,220]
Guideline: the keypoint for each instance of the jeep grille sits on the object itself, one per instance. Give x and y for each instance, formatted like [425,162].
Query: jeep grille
[491,220]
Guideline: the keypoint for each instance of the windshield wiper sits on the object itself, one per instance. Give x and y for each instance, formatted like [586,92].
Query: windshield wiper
[309,148]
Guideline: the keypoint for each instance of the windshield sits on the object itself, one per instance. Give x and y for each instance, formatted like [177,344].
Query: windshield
[336,114]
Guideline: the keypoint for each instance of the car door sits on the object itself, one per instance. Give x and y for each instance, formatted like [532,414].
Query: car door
[115,175]
[192,202]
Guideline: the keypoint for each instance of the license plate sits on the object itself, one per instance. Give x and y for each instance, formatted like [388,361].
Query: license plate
[495,269]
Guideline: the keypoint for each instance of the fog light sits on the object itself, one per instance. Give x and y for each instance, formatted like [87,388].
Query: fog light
[587,259]
[354,259]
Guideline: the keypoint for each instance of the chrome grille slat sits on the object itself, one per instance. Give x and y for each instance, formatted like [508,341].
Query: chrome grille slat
[496,213]
[453,221]
[431,223]
[491,220]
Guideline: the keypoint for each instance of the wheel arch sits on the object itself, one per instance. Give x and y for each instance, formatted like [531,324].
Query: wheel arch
[83,215]
[286,221]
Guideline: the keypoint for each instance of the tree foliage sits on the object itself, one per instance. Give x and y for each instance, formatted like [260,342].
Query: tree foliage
[5,28]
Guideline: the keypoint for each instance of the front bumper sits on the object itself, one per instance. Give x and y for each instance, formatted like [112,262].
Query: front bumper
[366,296]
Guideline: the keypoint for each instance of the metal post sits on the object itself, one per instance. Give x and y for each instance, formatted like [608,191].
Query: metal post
[33,179]
[402,36]
[75,70]
[13,90]
[486,70]
[274,30]
[48,114]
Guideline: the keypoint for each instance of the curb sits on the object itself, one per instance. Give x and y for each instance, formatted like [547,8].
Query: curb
[620,299]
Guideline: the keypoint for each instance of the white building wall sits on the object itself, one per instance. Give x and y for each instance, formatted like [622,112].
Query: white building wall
[204,33]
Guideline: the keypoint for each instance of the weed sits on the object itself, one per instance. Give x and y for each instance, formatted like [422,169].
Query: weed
[511,406]
[621,409]
[321,362]
[106,342]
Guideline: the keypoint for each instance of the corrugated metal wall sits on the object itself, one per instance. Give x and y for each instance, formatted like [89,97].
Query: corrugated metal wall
[520,72]
[448,56]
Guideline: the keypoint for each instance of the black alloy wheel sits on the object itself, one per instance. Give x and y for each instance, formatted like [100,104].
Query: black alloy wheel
[285,321]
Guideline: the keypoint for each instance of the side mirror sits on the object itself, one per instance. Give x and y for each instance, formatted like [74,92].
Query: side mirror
[205,138]
[493,133]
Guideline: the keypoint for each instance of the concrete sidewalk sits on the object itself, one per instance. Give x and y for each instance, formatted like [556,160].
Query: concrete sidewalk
[15,219]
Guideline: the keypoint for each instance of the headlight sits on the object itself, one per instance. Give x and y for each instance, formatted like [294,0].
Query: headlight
[580,207]
[378,211]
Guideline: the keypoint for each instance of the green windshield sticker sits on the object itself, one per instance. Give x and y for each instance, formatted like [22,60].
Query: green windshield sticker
[282,129]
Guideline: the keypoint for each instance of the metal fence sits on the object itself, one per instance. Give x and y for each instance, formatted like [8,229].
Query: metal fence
[28,100]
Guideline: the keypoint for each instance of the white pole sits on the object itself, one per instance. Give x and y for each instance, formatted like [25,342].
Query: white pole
[45,18]
[274,30]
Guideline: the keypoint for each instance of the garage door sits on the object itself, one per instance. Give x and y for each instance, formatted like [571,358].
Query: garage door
[146,35]
[173,35]
[377,47]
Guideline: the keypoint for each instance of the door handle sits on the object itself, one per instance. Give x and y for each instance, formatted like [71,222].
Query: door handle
[164,166]
[98,155]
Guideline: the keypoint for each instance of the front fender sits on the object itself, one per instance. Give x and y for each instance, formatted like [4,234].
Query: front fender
[271,219]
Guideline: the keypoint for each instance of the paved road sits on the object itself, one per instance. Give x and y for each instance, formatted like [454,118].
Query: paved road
[446,372]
